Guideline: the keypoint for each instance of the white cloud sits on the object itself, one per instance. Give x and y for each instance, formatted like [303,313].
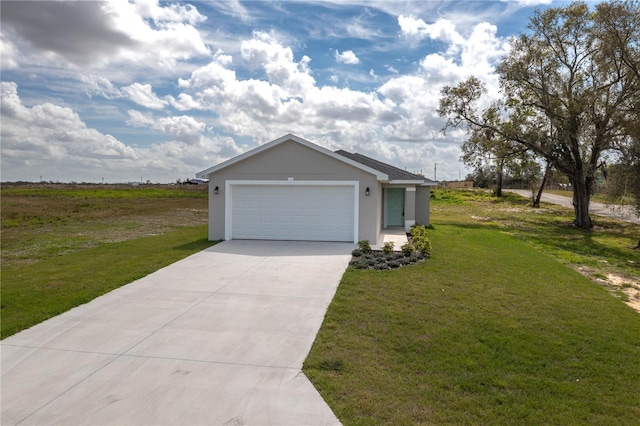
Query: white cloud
[48,131]
[265,52]
[397,122]
[182,128]
[101,86]
[9,54]
[142,94]
[233,8]
[442,30]
[257,90]
[183,102]
[170,13]
[347,57]
[53,142]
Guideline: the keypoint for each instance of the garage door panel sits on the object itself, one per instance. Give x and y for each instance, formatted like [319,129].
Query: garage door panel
[292,212]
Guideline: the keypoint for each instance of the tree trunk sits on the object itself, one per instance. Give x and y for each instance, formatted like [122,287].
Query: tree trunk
[581,199]
[536,200]
[500,171]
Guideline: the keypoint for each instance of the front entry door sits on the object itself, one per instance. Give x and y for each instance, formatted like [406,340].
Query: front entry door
[395,206]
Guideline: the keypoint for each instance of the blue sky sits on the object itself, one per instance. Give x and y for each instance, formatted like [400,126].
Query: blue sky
[147,90]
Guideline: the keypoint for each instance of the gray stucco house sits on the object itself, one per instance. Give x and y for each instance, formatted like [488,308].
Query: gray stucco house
[292,189]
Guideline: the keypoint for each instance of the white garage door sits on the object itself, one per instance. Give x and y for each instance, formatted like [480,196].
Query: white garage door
[292,212]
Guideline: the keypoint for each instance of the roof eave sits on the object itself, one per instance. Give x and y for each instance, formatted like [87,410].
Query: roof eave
[407,182]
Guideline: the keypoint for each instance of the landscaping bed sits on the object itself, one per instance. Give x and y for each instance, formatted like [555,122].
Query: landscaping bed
[417,249]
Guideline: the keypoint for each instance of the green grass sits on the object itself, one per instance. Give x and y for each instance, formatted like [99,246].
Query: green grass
[43,221]
[63,245]
[105,191]
[493,329]
[34,292]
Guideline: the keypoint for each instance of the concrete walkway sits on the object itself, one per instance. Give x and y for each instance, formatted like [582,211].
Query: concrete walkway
[625,213]
[398,236]
[216,338]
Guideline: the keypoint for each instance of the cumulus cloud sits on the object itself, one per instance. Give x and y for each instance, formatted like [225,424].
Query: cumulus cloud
[52,130]
[347,57]
[97,33]
[101,86]
[288,94]
[53,142]
[8,54]
[397,122]
[477,55]
[182,128]
[183,102]
[266,52]
[256,91]
[442,30]
[170,13]
[142,94]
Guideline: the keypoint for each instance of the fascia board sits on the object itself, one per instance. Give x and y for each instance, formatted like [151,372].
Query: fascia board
[407,182]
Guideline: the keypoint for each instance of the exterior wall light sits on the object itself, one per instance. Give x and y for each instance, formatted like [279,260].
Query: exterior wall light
[367,192]
[215,190]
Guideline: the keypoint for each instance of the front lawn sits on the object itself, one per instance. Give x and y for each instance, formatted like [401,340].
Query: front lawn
[31,293]
[491,330]
[63,245]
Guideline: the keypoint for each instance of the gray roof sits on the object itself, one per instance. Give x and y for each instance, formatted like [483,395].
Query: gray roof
[394,173]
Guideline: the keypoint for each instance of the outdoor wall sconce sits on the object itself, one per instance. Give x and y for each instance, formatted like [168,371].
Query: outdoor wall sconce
[367,192]
[215,190]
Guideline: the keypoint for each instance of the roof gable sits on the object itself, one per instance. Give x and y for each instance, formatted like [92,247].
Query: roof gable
[289,137]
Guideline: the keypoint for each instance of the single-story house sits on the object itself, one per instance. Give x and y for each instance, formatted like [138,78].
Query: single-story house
[292,189]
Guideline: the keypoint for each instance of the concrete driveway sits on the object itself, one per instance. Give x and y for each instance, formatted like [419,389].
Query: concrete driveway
[216,338]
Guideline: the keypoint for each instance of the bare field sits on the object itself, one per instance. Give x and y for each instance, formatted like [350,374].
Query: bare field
[40,221]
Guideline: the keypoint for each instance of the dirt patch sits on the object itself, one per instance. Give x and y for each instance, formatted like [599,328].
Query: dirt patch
[629,287]
[625,288]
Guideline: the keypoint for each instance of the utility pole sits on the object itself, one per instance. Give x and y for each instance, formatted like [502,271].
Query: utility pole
[435,171]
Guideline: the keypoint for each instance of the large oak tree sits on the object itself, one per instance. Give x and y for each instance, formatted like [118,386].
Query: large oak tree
[570,89]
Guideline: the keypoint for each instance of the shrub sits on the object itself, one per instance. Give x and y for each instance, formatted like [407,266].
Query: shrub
[420,240]
[424,247]
[364,246]
[372,262]
[359,264]
[394,264]
[387,247]
[407,249]
[356,252]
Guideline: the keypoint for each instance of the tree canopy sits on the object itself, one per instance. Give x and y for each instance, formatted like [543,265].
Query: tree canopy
[570,91]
